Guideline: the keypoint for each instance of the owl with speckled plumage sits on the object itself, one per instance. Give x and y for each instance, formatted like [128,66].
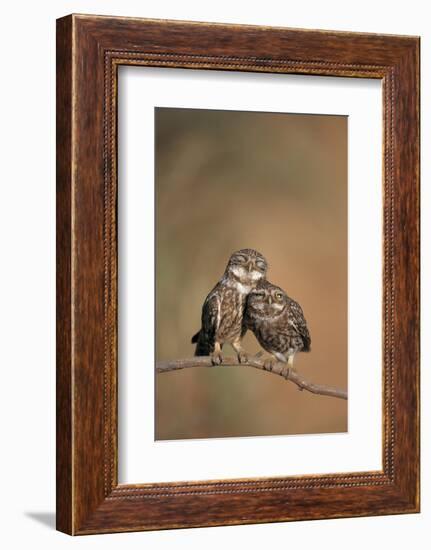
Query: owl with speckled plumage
[277,321]
[223,309]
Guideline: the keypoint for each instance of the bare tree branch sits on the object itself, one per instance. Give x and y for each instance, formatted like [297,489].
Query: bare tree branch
[276,368]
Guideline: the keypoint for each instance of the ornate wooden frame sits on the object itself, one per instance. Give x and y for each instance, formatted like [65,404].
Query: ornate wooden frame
[89,51]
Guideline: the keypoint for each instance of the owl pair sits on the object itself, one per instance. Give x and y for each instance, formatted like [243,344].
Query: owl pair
[244,300]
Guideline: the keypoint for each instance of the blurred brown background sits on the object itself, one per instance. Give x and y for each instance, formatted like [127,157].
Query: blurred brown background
[227,180]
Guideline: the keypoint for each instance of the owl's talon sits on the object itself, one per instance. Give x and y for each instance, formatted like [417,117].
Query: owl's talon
[242,357]
[268,364]
[286,373]
[216,359]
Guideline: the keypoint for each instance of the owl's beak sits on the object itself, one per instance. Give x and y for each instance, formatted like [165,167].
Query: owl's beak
[250,267]
[269,300]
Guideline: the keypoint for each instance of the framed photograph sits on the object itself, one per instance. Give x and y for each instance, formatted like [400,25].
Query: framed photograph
[237,274]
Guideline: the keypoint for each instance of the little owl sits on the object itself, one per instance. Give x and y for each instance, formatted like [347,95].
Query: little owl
[223,309]
[277,321]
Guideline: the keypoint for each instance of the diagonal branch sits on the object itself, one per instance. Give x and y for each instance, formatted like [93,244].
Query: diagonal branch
[276,368]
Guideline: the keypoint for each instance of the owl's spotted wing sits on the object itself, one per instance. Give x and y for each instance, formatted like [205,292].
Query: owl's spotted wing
[297,321]
[205,338]
[210,315]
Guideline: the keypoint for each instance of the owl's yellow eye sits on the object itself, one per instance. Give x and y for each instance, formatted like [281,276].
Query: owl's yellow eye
[278,295]
[260,295]
[241,259]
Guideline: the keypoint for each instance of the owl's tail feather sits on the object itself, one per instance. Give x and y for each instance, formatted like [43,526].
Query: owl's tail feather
[202,350]
[203,346]
[307,343]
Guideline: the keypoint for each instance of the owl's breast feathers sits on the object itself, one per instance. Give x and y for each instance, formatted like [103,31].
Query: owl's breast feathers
[222,315]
